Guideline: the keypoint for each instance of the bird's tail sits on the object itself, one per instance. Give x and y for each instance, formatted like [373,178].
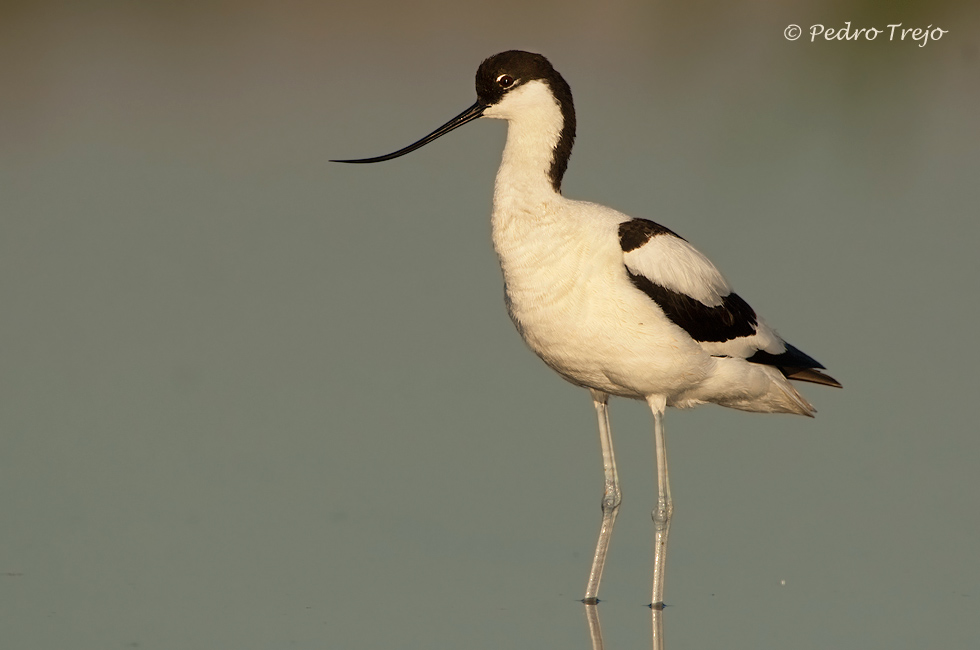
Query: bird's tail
[811,375]
[758,388]
[797,403]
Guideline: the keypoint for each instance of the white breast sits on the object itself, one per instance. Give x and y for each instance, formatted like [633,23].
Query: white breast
[569,295]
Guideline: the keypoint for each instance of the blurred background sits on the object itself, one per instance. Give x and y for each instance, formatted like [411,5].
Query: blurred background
[253,399]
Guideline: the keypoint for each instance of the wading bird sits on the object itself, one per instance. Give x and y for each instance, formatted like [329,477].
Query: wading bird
[618,305]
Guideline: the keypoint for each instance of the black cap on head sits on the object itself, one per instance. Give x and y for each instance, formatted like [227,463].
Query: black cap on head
[502,73]
[497,76]
[520,67]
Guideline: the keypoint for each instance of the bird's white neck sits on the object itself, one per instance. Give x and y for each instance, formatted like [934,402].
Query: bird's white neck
[534,128]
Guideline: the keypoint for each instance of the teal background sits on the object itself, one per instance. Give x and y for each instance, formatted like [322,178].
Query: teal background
[253,399]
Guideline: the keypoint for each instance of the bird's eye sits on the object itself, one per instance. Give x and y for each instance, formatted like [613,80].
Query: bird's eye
[505,81]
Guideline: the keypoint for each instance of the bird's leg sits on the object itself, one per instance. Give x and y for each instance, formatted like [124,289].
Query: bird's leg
[665,507]
[611,496]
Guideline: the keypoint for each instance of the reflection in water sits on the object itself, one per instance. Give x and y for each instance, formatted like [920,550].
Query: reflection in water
[592,615]
[657,626]
[595,630]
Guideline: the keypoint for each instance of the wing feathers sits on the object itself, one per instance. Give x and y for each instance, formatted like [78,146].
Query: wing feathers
[811,375]
[687,286]
[795,364]
[731,319]
[695,296]
[668,260]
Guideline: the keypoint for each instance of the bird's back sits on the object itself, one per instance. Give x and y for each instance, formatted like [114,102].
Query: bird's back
[570,295]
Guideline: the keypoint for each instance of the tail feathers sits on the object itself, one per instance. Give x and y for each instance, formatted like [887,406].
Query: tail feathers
[754,387]
[795,364]
[811,375]
[803,407]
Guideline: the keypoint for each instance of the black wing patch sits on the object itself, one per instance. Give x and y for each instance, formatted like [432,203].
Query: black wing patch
[795,364]
[793,357]
[729,320]
[636,232]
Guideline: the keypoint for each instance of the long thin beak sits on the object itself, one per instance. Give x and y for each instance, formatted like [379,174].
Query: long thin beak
[470,114]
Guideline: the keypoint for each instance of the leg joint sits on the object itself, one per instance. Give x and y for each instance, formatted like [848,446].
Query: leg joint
[611,500]
[663,512]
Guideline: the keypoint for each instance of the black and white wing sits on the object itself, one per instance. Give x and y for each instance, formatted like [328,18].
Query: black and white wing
[695,296]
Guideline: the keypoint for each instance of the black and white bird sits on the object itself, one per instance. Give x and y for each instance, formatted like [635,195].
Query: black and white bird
[618,305]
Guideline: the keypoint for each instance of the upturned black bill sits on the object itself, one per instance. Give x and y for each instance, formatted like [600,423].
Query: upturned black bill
[470,114]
